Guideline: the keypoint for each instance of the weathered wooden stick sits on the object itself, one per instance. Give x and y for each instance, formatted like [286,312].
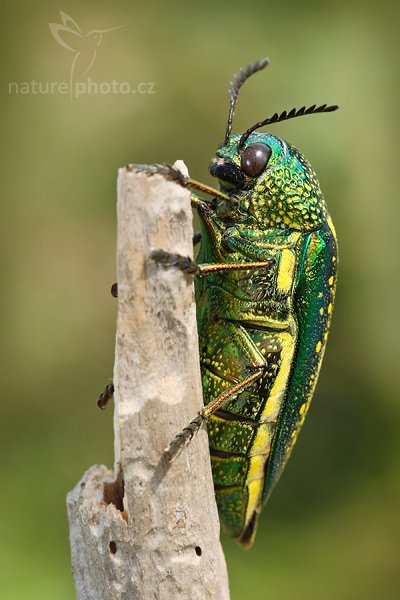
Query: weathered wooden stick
[151,530]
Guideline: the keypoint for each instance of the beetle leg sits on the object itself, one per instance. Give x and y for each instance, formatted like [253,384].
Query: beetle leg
[196,200]
[185,436]
[205,269]
[156,169]
[197,185]
[184,262]
[172,173]
[187,265]
[197,238]
[105,396]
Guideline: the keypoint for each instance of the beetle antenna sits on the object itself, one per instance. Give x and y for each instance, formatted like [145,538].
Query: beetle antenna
[284,116]
[235,85]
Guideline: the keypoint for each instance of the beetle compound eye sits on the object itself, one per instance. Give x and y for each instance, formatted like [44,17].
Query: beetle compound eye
[255,158]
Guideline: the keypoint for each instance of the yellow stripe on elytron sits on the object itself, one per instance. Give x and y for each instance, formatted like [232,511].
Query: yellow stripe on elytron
[284,281]
[255,489]
[332,227]
[276,395]
[256,469]
[262,442]
[269,416]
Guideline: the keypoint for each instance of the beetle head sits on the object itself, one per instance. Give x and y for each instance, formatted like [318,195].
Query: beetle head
[273,183]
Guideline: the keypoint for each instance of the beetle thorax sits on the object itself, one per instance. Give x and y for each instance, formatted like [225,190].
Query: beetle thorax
[289,196]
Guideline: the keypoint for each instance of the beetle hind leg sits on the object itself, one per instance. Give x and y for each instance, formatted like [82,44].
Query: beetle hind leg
[186,435]
[184,438]
[105,396]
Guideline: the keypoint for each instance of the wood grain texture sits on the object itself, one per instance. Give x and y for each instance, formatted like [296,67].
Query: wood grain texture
[152,533]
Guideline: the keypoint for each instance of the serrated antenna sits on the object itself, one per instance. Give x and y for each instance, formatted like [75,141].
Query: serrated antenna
[284,116]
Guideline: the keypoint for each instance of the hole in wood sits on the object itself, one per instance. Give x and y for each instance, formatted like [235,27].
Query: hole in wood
[114,493]
[198,551]
[113,547]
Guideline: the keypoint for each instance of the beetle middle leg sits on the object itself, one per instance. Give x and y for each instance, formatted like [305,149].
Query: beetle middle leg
[187,265]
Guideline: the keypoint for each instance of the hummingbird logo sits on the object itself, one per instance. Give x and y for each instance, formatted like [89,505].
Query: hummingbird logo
[83,45]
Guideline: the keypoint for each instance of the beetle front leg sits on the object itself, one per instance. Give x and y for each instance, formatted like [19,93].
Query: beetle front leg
[174,174]
[167,171]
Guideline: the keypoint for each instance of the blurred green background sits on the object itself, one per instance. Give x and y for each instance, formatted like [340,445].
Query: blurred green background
[332,528]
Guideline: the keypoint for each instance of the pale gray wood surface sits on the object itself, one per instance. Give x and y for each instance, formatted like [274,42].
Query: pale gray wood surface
[158,536]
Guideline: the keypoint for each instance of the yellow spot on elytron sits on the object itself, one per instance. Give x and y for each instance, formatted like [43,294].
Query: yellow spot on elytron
[286,271]
[330,280]
[330,308]
[321,311]
[303,408]
[318,347]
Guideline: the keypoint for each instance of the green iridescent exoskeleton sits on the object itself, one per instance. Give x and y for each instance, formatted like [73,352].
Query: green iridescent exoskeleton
[265,284]
[272,318]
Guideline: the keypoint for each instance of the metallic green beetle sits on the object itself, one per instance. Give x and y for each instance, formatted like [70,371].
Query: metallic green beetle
[265,285]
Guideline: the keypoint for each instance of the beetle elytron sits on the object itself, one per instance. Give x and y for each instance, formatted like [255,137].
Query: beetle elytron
[265,284]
